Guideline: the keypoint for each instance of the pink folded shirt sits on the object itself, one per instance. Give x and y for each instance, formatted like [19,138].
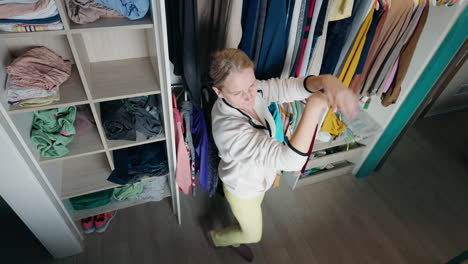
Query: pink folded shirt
[19,9]
[40,68]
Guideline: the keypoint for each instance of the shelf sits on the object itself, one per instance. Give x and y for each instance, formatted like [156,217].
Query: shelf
[140,140]
[85,175]
[112,80]
[87,144]
[71,93]
[4,34]
[112,206]
[122,23]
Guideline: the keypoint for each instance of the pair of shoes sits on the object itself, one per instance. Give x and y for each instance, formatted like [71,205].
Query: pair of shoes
[245,252]
[98,223]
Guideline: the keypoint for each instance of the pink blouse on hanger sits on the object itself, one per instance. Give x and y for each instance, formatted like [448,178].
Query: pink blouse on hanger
[183,171]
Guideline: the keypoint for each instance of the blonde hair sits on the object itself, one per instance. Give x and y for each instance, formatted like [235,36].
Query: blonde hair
[224,62]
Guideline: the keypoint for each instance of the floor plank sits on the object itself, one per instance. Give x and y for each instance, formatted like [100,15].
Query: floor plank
[413,210]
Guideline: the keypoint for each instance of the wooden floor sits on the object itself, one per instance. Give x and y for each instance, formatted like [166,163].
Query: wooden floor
[414,210]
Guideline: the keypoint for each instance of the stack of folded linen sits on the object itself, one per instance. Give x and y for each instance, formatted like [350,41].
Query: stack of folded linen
[35,77]
[29,16]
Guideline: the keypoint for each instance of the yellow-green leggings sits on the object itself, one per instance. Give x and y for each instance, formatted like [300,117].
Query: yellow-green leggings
[249,217]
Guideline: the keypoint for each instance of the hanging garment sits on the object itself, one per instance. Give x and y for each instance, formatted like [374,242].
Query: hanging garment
[87,11]
[234,26]
[336,37]
[213,18]
[117,121]
[40,68]
[398,17]
[363,9]
[302,50]
[20,9]
[132,9]
[390,77]
[341,9]
[274,40]
[295,24]
[396,50]
[250,11]
[316,58]
[208,101]
[200,142]
[303,17]
[186,113]
[358,79]
[405,59]
[302,68]
[182,24]
[132,164]
[369,39]
[351,63]
[183,173]
[52,130]
[263,7]
[275,112]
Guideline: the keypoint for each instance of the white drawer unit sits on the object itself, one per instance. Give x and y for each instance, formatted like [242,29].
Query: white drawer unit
[341,168]
[339,155]
[336,157]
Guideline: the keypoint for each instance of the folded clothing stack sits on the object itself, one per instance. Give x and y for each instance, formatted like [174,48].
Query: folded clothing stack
[122,118]
[52,130]
[35,77]
[135,163]
[29,16]
[87,11]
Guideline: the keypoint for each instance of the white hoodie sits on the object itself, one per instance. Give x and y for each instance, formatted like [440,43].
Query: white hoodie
[250,154]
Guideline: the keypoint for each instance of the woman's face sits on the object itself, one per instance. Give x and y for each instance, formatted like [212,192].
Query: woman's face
[239,89]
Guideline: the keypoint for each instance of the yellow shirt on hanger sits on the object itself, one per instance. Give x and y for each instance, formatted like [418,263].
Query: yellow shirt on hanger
[351,63]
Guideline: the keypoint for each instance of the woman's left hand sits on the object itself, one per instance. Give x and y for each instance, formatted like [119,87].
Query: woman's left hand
[340,98]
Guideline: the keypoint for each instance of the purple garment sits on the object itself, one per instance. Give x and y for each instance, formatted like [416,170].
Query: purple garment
[391,77]
[200,142]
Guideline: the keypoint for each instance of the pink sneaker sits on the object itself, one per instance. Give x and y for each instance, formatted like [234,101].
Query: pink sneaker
[101,221]
[88,225]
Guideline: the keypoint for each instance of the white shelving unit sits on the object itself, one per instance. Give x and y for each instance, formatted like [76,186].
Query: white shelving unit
[113,58]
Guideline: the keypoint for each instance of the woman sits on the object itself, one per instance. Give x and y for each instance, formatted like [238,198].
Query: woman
[244,129]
